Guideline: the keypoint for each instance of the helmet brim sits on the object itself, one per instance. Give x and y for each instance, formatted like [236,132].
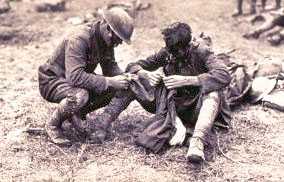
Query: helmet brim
[106,17]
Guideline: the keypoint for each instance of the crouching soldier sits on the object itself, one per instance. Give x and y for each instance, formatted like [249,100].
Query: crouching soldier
[189,68]
[68,77]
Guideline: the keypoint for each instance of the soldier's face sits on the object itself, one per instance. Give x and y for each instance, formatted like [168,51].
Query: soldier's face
[115,39]
[112,40]
[106,35]
[177,50]
[175,47]
[180,53]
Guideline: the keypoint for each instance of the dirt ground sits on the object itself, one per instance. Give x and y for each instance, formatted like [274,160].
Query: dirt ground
[253,147]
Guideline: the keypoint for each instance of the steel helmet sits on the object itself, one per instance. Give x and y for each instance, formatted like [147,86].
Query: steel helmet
[120,22]
[261,86]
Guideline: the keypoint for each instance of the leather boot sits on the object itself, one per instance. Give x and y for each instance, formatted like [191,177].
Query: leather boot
[208,112]
[53,126]
[101,123]
[54,130]
[66,109]
[195,151]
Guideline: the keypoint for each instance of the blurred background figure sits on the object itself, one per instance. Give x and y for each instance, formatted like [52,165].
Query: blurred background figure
[263,4]
[276,21]
[239,10]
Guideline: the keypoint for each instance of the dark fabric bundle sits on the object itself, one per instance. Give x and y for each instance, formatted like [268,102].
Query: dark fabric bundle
[159,129]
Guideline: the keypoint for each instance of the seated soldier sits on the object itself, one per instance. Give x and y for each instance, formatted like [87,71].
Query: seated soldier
[191,69]
[68,77]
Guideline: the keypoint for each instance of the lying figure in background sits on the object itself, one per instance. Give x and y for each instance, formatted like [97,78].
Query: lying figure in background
[253,4]
[271,22]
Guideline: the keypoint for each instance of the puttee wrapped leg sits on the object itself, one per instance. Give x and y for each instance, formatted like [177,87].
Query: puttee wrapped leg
[65,110]
[208,112]
[102,122]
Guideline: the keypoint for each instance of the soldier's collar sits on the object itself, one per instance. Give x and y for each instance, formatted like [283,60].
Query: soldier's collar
[95,41]
[99,38]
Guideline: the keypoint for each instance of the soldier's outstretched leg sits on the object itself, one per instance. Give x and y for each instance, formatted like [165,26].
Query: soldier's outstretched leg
[65,110]
[208,112]
[101,123]
[268,25]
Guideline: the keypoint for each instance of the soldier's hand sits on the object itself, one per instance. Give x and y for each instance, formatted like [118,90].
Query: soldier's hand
[118,82]
[154,77]
[175,81]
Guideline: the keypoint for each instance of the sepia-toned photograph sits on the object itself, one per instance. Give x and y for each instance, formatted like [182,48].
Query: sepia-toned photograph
[141,90]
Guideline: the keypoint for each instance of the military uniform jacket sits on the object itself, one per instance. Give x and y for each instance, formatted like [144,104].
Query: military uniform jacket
[200,61]
[75,59]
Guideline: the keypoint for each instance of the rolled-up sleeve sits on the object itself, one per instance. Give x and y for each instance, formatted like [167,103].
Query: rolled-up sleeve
[75,65]
[151,63]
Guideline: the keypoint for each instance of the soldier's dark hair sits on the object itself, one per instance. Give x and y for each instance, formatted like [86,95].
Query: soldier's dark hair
[177,34]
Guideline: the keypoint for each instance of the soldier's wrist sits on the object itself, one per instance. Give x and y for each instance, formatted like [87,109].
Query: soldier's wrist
[193,80]
[109,82]
[142,73]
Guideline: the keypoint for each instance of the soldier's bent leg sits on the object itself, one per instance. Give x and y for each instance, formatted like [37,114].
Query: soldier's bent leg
[268,25]
[65,110]
[101,123]
[208,112]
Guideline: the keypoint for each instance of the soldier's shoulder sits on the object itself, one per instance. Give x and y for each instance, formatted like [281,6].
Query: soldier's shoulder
[81,32]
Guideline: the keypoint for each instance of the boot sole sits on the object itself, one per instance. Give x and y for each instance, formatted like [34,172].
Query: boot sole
[195,159]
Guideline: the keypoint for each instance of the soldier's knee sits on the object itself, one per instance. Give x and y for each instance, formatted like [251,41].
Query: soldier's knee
[212,96]
[82,97]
